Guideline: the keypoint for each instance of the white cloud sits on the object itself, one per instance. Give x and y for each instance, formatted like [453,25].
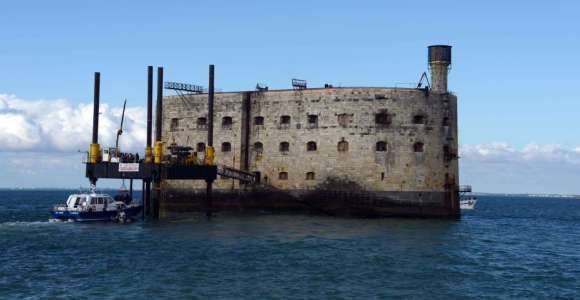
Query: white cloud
[58,125]
[532,153]
[534,168]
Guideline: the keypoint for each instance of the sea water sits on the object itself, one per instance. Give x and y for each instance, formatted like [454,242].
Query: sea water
[508,247]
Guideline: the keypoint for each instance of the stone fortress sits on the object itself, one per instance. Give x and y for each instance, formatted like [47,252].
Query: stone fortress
[373,151]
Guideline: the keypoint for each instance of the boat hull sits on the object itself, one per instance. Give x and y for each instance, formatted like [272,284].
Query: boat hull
[93,216]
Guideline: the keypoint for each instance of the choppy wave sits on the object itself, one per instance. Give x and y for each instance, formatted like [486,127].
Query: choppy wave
[505,248]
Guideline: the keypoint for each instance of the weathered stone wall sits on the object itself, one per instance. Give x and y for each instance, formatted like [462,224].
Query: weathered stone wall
[343,114]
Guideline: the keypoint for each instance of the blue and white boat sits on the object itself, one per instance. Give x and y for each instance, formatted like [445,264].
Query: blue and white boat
[95,207]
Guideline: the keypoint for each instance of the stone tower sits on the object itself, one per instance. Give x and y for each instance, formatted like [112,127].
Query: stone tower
[439,63]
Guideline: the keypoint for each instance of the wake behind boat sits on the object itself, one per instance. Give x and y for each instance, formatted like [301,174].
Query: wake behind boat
[96,207]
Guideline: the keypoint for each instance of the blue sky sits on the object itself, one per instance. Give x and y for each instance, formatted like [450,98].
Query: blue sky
[515,64]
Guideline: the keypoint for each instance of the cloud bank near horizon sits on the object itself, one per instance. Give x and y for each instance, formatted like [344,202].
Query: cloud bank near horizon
[58,125]
[39,140]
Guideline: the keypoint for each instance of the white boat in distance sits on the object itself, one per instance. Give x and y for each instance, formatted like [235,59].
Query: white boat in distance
[468,203]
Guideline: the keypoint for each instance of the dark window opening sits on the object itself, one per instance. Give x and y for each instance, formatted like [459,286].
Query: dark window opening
[226,147]
[283,176]
[382,119]
[419,119]
[381,146]
[200,147]
[174,124]
[285,120]
[311,146]
[446,121]
[201,123]
[342,146]
[259,120]
[310,176]
[284,147]
[382,176]
[448,155]
[227,122]
[258,147]
[312,121]
[418,147]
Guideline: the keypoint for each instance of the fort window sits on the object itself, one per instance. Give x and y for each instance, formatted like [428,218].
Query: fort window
[418,147]
[312,121]
[226,147]
[310,176]
[419,119]
[285,120]
[283,176]
[200,147]
[381,146]
[201,123]
[446,121]
[382,119]
[448,155]
[342,146]
[259,120]
[284,147]
[311,146]
[227,122]
[174,124]
[258,147]
[344,119]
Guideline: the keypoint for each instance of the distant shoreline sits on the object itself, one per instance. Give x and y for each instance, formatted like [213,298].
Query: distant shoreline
[535,195]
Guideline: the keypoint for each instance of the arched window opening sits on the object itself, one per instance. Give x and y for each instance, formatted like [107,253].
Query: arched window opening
[227,122]
[312,121]
[311,146]
[259,120]
[285,120]
[201,123]
[381,146]
[382,119]
[284,147]
[418,147]
[226,147]
[258,147]
[419,119]
[174,124]
[342,146]
[310,176]
[200,147]
[445,121]
[283,176]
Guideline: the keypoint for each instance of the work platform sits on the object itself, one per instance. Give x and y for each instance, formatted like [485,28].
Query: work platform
[156,166]
[150,171]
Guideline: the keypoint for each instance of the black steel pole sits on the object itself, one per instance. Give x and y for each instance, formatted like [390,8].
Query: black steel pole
[97,96]
[210,94]
[147,204]
[210,100]
[143,199]
[131,189]
[159,112]
[149,104]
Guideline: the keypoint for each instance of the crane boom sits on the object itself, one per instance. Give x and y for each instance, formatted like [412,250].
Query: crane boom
[120,131]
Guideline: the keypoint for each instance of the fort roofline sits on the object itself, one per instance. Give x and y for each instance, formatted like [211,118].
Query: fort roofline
[315,89]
